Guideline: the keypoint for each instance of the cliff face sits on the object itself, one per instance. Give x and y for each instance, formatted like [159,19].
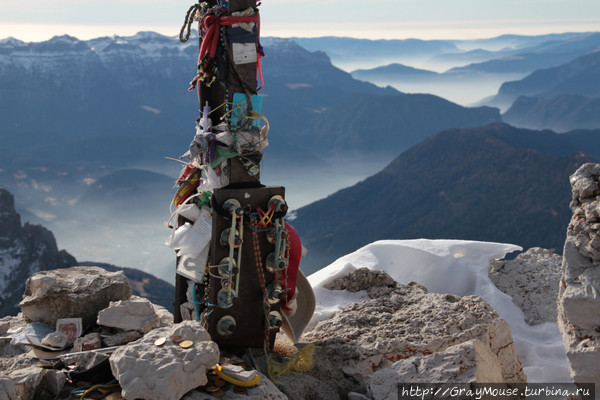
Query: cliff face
[24,250]
[27,249]
[578,300]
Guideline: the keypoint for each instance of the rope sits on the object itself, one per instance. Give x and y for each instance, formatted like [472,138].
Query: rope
[211,33]
[83,391]
[263,283]
[266,218]
[186,29]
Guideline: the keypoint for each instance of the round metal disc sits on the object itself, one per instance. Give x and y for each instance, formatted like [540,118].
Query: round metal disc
[177,339]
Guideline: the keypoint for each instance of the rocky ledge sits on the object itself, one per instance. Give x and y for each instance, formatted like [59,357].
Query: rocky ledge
[401,333]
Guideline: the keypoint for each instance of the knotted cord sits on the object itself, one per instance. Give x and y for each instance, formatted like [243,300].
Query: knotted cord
[190,16]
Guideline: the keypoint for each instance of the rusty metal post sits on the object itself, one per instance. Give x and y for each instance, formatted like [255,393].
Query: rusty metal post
[251,314]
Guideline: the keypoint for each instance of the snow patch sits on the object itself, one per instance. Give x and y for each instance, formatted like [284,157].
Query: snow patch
[456,267]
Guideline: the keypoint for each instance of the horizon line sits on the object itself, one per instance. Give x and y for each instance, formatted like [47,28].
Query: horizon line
[43,32]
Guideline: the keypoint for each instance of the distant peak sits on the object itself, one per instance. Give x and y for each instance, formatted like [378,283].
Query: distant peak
[64,39]
[277,42]
[148,35]
[11,42]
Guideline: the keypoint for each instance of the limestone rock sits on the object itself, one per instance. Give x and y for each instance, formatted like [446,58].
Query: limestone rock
[53,382]
[72,292]
[579,298]
[326,379]
[531,279]
[362,279]
[468,362]
[12,324]
[57,340]
[147,371]
[84,362]
[91,341]
[14,358]
[130,315]
[165,316]
[121,338]
[7,389]
[407,322]
[27,381]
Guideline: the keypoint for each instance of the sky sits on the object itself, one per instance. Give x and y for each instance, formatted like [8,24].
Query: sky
[38,20]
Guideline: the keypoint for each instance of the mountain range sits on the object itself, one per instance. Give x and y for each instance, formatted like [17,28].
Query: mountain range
[553,52]
[505,53]
[476,70]
[560,98]
[90,162]
[492,183]
[77,111]
[579,76]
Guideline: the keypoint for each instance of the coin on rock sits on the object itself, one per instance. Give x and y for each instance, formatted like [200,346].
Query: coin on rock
[212,389]
[240,390]
[160,341]
[177,339]
[220,382]
[186,344]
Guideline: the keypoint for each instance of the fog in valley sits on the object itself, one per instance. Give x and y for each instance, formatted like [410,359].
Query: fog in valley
[103,214]
[126,225]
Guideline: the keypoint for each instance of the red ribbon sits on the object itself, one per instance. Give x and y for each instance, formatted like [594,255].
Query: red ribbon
[211,25]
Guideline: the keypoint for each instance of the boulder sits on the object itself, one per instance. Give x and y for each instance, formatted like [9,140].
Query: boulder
[165,316]
[13,358]
[27,381]
[321,377]
[121,338]
[166,372]
[91,341]
[72,292]
[467,362]
[531,279]
[53,382]
[130,315]
[7,389]
[579,288]
[403,321]
[88,366]
[34,383]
